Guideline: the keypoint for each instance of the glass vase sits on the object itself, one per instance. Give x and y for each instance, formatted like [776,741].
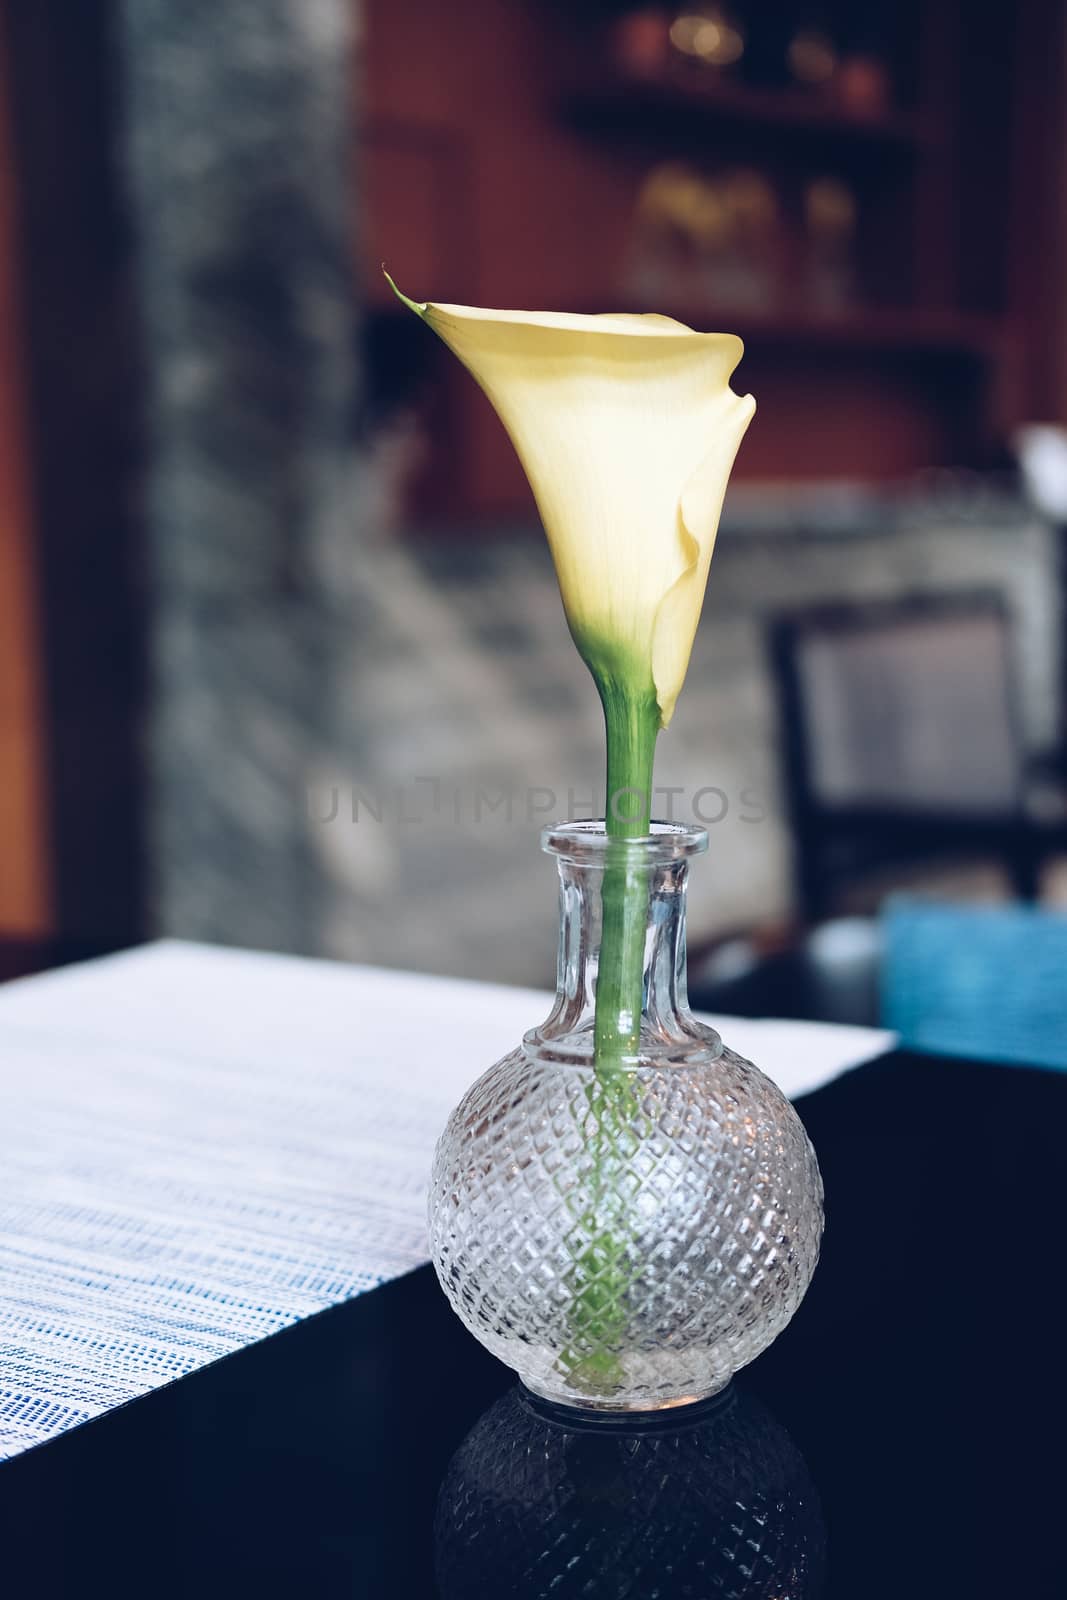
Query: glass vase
[625,1231]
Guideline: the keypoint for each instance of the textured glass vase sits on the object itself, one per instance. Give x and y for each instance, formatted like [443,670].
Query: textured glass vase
[625,1235]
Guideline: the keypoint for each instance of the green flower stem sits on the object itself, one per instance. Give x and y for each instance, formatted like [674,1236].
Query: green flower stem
[600,1276]
[632,723]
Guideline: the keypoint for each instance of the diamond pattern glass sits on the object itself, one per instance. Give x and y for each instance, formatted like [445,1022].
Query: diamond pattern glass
[625,1240]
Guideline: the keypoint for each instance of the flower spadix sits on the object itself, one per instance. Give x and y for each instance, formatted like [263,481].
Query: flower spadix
[627,429]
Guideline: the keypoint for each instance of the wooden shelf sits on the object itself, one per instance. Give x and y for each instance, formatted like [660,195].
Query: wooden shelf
[871,329]
[910,332]
[609,99]
[555,208]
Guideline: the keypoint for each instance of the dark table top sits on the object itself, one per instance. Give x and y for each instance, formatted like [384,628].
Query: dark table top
[922,1383]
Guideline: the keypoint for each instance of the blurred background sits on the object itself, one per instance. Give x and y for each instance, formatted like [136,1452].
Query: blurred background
[282,661]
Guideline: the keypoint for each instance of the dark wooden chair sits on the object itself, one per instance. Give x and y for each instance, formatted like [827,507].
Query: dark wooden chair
[902,744]
[903,751]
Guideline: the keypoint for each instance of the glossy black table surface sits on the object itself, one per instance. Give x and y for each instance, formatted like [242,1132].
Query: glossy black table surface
[905,1437]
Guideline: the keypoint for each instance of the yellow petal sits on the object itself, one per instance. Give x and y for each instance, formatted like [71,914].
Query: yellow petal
[698,514]
[627,428]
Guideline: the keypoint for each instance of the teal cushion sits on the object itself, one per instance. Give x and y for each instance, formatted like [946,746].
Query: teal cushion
[987,982]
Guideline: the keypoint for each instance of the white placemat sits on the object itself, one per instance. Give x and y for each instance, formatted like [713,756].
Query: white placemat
[200,1146]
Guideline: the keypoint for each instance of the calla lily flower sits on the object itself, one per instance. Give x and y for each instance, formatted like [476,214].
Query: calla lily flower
[627,429]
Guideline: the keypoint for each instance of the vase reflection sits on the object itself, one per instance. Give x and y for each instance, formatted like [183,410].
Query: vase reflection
[720,1505]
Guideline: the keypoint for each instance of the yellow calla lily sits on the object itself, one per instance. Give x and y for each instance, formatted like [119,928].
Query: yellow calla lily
[627,429]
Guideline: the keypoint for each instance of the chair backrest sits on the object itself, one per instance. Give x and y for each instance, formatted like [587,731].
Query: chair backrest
[899,721]
[985,982]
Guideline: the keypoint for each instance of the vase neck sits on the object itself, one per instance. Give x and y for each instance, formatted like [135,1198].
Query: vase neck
[659,879]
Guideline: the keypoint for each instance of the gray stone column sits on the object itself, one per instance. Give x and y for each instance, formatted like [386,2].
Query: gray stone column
[237,131]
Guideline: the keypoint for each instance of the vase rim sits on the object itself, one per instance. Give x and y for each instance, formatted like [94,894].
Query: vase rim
[587,843]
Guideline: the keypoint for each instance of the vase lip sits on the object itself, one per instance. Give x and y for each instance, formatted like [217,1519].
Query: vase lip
[587,843]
